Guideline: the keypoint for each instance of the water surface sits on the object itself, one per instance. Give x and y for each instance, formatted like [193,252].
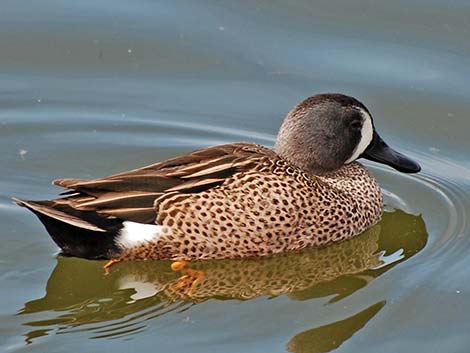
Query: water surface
[93,88]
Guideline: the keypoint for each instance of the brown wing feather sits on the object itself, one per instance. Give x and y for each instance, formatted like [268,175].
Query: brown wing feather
[48,208]
[141,215]
[131,195]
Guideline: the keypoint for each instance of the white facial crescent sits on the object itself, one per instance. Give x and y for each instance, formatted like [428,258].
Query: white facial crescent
[367,133]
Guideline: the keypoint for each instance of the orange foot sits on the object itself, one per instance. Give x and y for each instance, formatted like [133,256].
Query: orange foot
[189,280]
[110,263]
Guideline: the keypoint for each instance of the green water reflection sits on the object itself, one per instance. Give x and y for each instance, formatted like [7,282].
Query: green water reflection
[79,292]
[328,337]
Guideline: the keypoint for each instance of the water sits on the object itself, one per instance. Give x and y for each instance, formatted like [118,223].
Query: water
[93,88]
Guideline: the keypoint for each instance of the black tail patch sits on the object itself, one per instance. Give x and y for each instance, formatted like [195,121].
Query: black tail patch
[91,238]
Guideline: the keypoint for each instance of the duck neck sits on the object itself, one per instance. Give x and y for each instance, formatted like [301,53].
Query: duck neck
[356,180]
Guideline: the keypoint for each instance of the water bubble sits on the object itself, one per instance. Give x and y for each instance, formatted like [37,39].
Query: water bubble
[22,153]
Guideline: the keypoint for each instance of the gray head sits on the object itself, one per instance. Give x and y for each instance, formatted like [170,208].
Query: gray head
[326,131]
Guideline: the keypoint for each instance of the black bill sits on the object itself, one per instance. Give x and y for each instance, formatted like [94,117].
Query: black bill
[379,151]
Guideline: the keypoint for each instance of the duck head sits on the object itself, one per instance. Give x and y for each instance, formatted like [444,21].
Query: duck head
[326,131]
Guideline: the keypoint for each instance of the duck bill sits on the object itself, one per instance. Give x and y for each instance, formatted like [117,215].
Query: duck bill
[379,151]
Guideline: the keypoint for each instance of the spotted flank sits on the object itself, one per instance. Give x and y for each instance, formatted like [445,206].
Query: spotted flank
[235,200]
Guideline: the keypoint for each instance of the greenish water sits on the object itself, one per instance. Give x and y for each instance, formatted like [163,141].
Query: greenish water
[91,88]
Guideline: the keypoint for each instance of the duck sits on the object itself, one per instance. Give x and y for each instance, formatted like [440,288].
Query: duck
[237,200]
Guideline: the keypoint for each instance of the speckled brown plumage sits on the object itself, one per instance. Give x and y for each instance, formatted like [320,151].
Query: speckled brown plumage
[273,207]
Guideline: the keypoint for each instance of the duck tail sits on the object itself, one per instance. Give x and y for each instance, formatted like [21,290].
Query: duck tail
[77,233]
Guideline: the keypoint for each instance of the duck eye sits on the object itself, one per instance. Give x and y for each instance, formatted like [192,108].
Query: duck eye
[356,125]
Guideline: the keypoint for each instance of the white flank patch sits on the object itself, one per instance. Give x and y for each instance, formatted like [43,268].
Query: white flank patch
[367,133]
[134,234]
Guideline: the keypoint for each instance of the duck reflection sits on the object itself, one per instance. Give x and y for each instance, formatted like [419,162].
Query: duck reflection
[79,292]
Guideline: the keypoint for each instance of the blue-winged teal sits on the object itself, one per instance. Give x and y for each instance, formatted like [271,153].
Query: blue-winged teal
[234,200]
